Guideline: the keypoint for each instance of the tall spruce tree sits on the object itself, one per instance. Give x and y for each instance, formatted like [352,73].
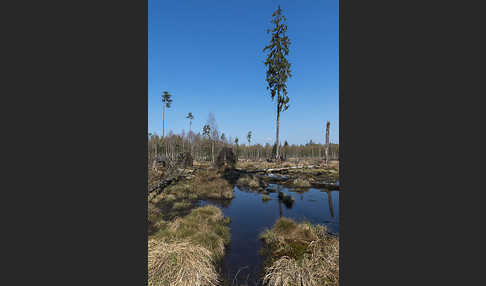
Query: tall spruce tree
[278,67]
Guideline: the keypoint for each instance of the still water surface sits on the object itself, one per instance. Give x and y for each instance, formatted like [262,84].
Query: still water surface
[250,216]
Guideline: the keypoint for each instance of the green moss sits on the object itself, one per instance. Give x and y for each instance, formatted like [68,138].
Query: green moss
[294,249]
[284,225]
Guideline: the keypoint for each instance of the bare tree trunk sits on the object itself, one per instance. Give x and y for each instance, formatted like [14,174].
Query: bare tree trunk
[328,125]
[163,120]
[278,119]
[212,150]
[165,147]
[155,145]
[189,137]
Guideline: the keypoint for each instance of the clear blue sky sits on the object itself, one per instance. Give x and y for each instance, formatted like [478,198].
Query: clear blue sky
[209,56]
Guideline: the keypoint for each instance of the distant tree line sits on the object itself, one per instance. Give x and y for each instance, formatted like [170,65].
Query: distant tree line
[205,146]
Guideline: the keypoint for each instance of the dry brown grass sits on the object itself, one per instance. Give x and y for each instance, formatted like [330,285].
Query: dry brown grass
[286,229]
[248,181]
[180,264]
[209,184]
[153,217]
[320,267]
[206,184]
[204,226]
[302,254]
[300,182]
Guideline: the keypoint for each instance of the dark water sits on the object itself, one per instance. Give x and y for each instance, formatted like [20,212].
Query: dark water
[250,216]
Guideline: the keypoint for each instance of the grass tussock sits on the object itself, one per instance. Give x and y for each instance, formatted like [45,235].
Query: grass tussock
[181,205]
[286,230]
[206,184]
[180,264]
[300,254]
[300,182]
[266,197]
[204,226]
[209,184]
[248,181]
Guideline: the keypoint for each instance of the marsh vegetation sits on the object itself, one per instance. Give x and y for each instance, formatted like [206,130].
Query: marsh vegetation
[220,226]
[300,254]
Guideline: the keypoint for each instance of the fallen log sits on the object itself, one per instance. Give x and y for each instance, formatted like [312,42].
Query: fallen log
[162,184]
[249,171]
[275,170]
[288,168]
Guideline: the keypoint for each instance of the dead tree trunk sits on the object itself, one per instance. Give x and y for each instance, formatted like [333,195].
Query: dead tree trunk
[155,145]
[163,121]
[212,150]
[328,125]
[278,119]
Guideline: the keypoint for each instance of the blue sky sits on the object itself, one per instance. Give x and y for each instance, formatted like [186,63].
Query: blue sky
[208,55]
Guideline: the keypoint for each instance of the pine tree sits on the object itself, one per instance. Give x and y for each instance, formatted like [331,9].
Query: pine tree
[207,132]
[166,102]
[248,137]
[190,117]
